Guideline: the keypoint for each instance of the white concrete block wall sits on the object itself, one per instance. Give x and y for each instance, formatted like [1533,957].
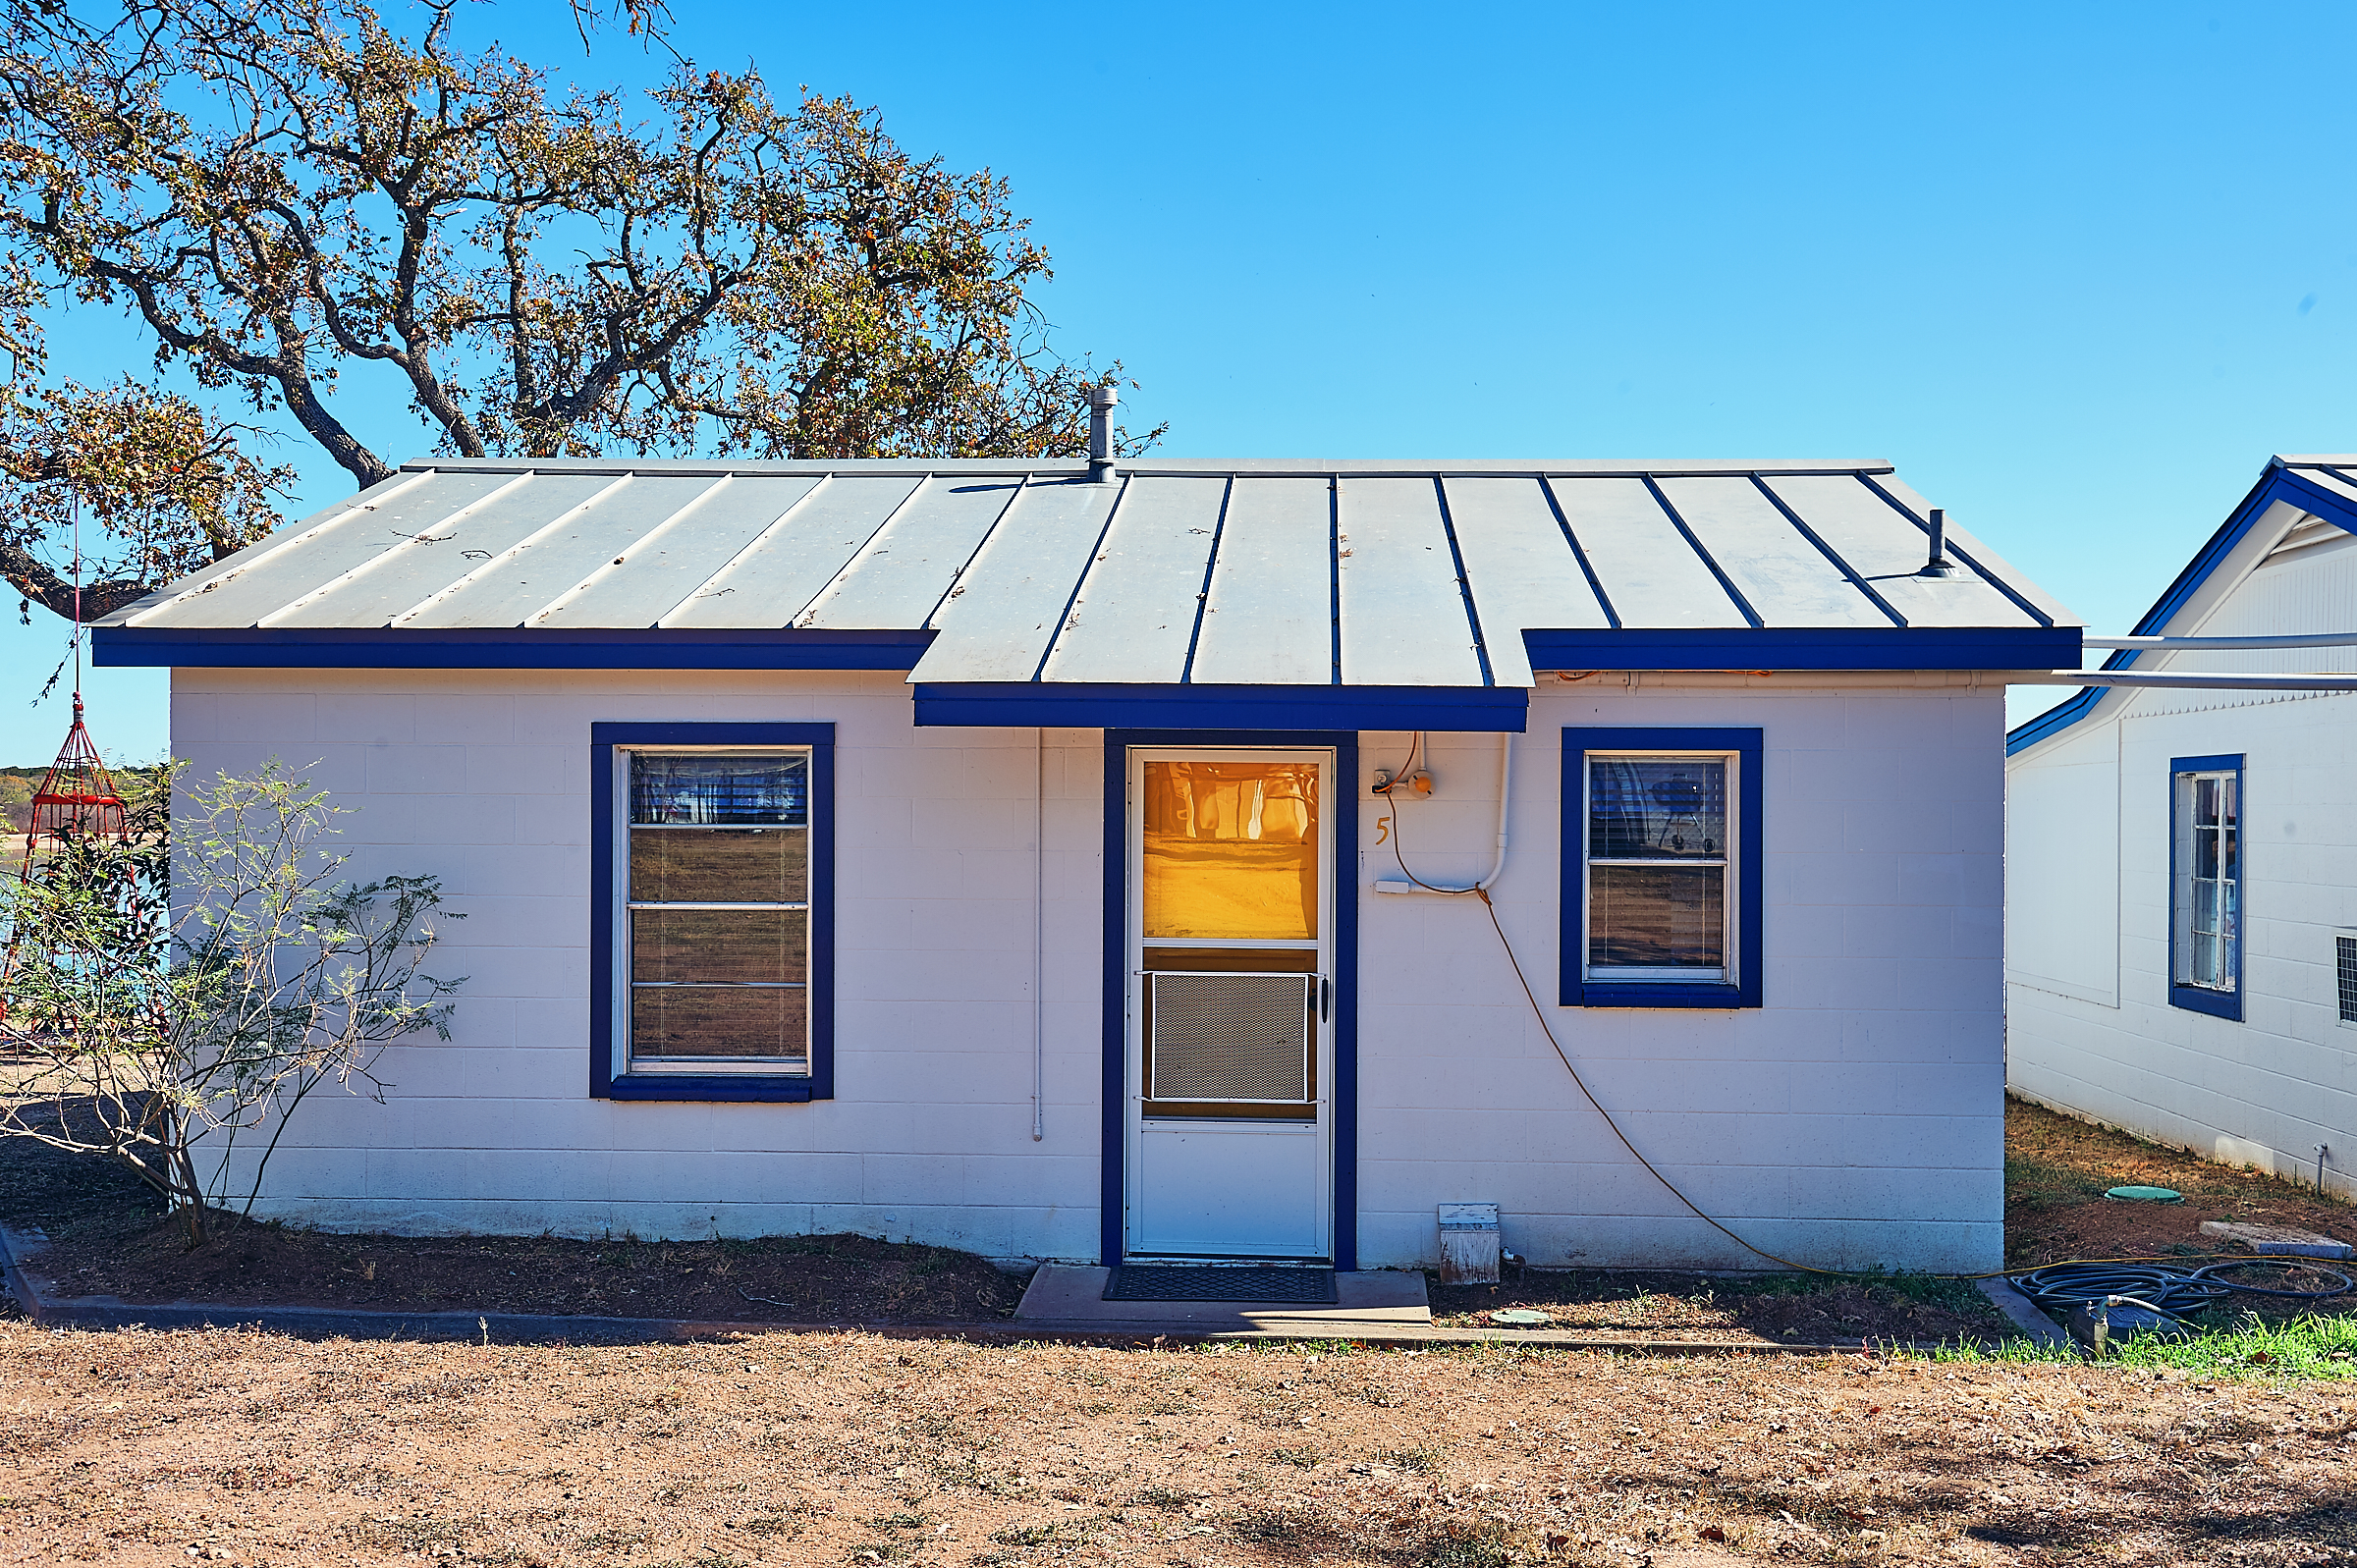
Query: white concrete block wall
[2264,1091]
[1854,1119]
[482,779]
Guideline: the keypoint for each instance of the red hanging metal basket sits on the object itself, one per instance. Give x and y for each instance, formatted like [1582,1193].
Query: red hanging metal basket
[76,798]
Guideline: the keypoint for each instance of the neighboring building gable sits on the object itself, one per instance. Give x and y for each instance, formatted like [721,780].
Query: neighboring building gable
[2103,905]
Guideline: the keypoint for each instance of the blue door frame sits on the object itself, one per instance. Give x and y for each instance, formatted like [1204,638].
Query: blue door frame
[1342,807]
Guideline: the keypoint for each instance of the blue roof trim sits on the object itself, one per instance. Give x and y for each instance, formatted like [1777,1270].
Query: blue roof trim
[1076,706]
[2062,716]
[1806,648]
[502,648]
[2278,483]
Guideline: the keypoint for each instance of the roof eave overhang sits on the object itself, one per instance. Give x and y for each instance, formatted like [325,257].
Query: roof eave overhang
[502,648]
[1205,705]
[1805,648]
[2277,483]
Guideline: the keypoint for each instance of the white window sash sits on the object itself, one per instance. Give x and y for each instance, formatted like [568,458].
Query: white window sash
[2207,953]
[625,989]
[1728,864]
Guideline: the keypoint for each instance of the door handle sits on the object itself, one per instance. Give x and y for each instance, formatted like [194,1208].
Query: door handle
[1325,1000]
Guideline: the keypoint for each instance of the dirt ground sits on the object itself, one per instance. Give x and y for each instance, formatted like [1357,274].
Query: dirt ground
[851,1448]
[825,1279]
[107,1238]
[1631,1305]
[139,1448]
[2058,1169]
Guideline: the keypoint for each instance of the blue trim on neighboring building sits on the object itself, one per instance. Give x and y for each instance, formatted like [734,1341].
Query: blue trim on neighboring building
[1750,784]
[1030,704]
[2278,483]
[604,1084]
[502,648]
[2225,1004]
[1343,810]
[1805,648]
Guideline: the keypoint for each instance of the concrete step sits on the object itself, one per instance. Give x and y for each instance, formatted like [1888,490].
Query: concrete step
[1370,1300]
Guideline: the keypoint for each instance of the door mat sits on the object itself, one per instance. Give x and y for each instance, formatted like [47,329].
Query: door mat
[1163,1282]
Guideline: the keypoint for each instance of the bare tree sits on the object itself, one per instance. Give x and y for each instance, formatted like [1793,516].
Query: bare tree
[164,1008]
[285,191]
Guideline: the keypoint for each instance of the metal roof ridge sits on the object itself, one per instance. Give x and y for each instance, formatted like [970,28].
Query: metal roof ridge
[1258,467]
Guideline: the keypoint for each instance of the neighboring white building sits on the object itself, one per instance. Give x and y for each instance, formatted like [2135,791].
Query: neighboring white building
[2182,903]
[988,854]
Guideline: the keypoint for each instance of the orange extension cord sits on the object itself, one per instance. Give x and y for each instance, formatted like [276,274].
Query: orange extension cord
[1398,854]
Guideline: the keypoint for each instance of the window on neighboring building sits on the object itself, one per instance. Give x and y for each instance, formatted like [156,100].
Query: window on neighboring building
[2205,884]
[714,895]
[2344,953]
[1661,868]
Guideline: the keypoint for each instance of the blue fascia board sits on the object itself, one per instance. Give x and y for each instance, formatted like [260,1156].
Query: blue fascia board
[2278,483]
[1027,704]
[2062,716]
[502,648]
[1805,648]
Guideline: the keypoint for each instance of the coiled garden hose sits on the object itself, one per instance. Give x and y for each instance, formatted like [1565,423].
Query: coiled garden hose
[2173,1291]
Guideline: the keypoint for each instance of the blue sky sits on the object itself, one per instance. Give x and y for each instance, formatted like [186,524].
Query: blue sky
[2077,271]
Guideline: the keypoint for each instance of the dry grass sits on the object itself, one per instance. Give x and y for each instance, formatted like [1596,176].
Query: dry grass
[856,1449]
[139,1447]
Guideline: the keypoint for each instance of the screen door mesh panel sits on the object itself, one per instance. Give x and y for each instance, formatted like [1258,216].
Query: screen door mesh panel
[2345,947]
[1241,1039]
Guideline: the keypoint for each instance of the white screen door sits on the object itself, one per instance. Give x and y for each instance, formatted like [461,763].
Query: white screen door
[1231,931]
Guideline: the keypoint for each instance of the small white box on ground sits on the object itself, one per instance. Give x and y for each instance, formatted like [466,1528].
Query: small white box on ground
[1468,1243]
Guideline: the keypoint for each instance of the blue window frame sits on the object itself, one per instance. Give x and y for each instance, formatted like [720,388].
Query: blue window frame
[712,899]
[1661,883]
[2206,912]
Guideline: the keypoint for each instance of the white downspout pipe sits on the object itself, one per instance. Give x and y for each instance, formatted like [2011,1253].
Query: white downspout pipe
[1039,938]
[1506,799]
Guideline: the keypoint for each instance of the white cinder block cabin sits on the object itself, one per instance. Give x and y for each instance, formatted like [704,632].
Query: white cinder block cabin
[2182,909]
[990,853]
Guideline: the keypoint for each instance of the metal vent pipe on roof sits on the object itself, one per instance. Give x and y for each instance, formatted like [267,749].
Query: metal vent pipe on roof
[1101,399]
[1939,566]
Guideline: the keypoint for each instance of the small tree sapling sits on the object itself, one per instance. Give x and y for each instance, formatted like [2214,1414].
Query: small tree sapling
[183,991]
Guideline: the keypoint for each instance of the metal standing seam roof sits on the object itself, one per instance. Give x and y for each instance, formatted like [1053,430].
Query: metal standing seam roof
[1269,574]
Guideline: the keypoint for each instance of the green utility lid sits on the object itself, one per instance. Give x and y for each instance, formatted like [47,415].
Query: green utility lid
[1522,1317]
[2145,1195]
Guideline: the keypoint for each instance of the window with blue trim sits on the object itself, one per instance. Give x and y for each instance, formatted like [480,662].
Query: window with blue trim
[714,887]
[2205,937]
[1661,868]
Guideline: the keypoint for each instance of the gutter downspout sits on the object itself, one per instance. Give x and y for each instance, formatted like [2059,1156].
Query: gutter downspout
[1505,797]
[1039,943]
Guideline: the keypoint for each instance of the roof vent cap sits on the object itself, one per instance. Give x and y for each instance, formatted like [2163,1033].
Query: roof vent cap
[1939,566]
[1101,399]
